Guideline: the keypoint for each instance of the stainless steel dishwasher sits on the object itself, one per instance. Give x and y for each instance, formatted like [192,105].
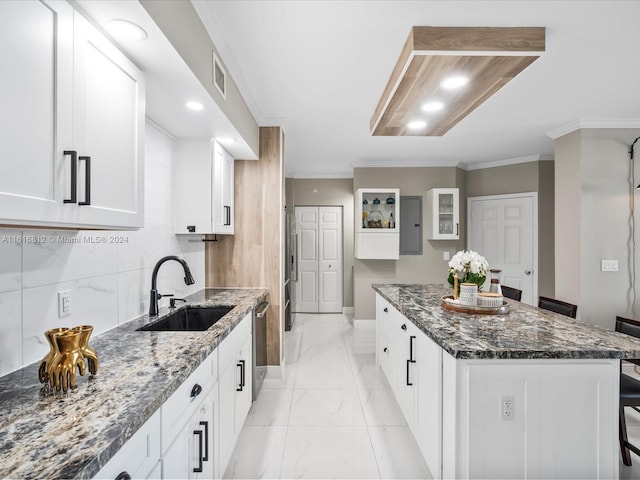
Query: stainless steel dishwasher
[259,346]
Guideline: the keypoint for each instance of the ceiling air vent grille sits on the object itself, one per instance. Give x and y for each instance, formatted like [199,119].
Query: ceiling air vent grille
[219,76]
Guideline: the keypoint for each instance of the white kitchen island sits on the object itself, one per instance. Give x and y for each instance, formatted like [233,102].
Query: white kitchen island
[530,394]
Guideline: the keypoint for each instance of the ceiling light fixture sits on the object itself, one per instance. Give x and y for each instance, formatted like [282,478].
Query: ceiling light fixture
[489,56]
[196,106]
[432,106]
[456,81]
[416,124]
[125,30]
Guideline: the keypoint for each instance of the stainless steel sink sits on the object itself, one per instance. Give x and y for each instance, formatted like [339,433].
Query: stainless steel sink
[189,318]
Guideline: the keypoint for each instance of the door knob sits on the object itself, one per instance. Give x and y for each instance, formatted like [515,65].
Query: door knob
[527,272]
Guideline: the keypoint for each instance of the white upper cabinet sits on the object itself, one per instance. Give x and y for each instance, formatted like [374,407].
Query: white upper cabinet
[203,188]
[67,89]
[108,131]
[443,209]
[223,191]
[377,227]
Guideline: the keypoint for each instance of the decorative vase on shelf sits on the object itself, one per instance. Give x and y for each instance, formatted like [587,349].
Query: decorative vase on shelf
[470,267]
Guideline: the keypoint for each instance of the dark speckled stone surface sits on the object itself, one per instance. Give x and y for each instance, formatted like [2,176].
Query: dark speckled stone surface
[525,332]
[55,435]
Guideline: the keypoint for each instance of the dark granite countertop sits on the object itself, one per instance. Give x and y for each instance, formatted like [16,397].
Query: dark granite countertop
[73,435]
[526,332]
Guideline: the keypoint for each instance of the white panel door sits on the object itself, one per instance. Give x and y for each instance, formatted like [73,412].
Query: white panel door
[503,228]
[330,260]
[319,284]
[307,284]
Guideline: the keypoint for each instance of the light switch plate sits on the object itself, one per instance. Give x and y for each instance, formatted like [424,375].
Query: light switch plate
[445,256]
[609,266]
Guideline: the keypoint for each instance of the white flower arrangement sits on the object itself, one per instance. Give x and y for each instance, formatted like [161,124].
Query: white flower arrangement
[470,266]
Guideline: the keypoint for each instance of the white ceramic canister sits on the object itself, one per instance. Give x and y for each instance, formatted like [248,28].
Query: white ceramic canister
[469,294]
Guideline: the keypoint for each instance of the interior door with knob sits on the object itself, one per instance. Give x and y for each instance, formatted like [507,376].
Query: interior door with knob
[320,270]
[504,229]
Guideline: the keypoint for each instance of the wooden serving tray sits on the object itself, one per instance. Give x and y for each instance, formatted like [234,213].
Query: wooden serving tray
[448,304]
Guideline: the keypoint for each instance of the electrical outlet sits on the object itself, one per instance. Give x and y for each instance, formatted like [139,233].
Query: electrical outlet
[445,256]
[507,408]
[64,303]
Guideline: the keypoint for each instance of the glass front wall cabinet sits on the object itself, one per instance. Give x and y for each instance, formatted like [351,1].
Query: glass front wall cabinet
[377,223]
[444,211]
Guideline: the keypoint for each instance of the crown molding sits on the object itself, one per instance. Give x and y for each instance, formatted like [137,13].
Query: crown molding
[502,163]
[579,124]
[405,164]
[319,176]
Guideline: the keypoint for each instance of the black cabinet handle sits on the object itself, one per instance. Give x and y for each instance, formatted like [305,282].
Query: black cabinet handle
[385,349]
[198,469]
[74,177]
[87,180]
[205,457]
[227,216]
[123,476]
[457,226]
[404,326]
[386,310]
[411,339]
[241,385]
[408,382]
[196,390]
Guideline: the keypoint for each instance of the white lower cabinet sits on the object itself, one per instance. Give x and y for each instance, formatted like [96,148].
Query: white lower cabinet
[194,432]
[455,408]
[407,368]
[428,413]
[235,387]
[192,454]
[139,457]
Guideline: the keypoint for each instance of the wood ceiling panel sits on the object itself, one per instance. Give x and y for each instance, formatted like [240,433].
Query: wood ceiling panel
[417,75]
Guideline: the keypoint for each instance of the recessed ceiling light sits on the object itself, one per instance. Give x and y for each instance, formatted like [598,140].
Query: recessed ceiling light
[416,124]
[226,140]
[125,30]
[194,105]
[432,106]
[454,82]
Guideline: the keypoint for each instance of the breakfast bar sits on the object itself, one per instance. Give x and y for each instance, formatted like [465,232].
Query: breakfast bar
[528,394]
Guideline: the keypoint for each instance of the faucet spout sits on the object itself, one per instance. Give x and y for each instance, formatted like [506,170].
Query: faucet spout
[154,295]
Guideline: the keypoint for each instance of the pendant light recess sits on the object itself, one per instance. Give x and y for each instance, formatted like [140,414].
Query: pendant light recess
[458,67]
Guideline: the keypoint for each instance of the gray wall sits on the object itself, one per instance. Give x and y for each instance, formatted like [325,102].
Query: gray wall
[426,268]
[330,192]
[520,178]
[593,192]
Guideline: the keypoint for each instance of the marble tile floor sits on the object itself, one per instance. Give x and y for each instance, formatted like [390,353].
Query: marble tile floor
[333,417]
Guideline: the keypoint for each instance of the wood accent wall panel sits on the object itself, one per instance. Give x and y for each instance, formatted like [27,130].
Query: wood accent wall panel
[252,257]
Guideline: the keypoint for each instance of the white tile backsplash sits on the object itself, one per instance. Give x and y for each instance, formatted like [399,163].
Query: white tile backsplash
[64,256]
[109,282]
[10,260]
[10,331]
[93,302]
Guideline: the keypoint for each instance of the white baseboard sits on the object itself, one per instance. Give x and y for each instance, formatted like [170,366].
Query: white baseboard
[366,324]
[347,310]
[274,377]
[364,335]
